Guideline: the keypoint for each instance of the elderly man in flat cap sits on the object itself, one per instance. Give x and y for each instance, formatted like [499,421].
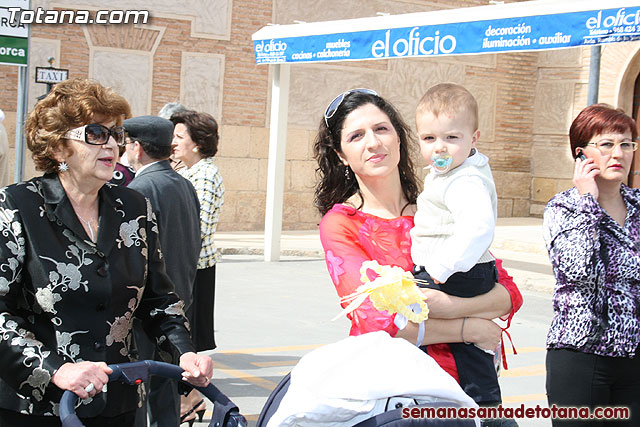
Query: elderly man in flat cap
[175,204]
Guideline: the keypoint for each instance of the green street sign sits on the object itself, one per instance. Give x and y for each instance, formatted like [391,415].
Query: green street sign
[13,50]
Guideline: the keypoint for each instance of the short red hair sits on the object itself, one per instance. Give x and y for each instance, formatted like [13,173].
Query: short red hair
[70,104]
[598,119]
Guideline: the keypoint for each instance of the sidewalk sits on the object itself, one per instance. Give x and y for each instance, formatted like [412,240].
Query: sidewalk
[518,241]
[292,243]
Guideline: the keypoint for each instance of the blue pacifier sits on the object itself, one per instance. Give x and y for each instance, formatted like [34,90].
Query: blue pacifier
[441,162]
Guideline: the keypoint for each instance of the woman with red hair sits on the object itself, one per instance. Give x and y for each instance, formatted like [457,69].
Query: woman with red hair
[592,232]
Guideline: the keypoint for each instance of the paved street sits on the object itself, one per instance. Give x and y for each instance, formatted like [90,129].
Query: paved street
[268,315]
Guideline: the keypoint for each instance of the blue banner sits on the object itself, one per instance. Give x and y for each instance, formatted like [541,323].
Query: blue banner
[488,36]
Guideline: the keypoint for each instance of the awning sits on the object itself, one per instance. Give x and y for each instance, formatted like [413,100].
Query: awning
[524,26]
[513,27]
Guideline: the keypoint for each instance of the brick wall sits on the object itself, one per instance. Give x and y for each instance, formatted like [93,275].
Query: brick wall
[527,99]
[510,151]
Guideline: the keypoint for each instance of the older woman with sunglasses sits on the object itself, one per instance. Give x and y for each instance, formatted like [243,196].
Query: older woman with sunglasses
[79,259]
[592,232]
[367,195]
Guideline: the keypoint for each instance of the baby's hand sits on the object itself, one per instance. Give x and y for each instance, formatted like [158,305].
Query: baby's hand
[436,281]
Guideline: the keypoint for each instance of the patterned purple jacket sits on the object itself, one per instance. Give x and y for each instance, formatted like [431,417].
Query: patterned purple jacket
[596,262]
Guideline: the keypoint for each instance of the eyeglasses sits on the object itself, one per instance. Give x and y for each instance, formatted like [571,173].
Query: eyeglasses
[606,146]
[96,134]
[333,105]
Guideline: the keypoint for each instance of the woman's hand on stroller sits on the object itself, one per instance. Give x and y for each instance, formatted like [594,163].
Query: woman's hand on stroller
[85,379]
[198,369]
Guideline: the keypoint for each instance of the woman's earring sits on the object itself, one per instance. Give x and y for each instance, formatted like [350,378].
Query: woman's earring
[195,149]
[347,175]
[63,166]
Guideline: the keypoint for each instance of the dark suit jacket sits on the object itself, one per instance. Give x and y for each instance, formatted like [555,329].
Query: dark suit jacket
[64,298]
[175,203]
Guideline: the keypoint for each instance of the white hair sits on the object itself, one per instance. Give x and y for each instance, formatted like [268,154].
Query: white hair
[170,108]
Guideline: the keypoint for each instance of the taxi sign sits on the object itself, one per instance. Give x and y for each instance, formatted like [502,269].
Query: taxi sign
[51,75]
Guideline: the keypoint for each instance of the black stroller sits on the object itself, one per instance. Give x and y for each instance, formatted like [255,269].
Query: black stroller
[391,418]
[225,412]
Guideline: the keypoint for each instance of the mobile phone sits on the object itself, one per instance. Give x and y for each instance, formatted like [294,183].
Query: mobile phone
[581,156]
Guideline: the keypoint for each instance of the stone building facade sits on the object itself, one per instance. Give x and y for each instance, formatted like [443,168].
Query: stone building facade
[199,52]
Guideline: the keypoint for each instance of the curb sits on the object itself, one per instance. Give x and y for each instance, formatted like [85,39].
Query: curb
[310,253]
[526,281]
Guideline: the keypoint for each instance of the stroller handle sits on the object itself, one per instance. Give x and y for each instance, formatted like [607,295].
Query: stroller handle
[225,414]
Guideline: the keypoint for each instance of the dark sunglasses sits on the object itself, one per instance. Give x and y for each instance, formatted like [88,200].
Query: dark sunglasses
[96,134]
[333,105]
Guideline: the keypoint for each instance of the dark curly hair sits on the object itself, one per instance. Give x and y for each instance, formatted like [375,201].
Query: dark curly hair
[202,128]
[69,105]
[332,187]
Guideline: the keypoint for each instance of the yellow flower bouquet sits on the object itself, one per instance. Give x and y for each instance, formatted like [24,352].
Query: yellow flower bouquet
[394,291]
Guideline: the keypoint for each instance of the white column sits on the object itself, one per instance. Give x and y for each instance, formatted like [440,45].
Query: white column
[21,116]
[277,152]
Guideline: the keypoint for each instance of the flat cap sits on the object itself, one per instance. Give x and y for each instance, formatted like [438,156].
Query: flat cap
[150,129]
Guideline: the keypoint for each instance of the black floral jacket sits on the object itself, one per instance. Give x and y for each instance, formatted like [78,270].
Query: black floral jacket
[64,298]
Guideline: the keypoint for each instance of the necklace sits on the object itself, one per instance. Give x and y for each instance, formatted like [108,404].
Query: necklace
[91,232]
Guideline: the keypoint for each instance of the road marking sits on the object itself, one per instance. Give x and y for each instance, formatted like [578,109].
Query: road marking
[522,350]
[270,349]
[260,382]
[508,350]
[275,364]
[524,371]
[532,370]
[524,398]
